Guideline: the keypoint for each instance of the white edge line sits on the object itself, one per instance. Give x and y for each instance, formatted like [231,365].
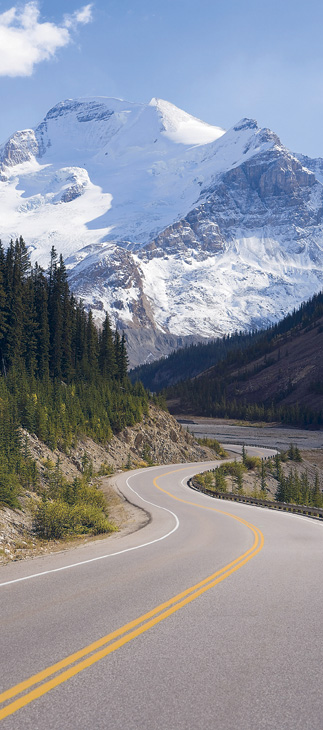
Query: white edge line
[109,555]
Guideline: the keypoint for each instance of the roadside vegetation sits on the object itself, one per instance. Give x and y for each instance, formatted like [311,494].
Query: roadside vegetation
[68,508]
[214,445]
[289,483]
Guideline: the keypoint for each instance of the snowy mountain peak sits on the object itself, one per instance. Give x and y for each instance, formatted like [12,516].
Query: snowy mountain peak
[181,127]
[246,123]
[91,124]
[173,225]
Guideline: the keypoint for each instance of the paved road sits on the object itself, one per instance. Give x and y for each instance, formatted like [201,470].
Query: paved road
[202,627]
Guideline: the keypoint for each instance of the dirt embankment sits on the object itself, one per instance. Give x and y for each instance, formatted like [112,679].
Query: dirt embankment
[158,439]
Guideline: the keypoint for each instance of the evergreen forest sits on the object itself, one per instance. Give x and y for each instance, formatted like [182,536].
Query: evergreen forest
[60,378]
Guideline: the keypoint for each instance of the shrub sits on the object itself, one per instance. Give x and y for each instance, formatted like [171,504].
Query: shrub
[57,519]
[252,462]
[214,445]
[52,519]
[86,518]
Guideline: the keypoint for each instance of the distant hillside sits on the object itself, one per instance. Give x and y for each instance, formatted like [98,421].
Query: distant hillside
[187,362]
[277,375]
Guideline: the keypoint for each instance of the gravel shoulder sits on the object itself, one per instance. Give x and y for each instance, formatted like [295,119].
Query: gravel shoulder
[17,541]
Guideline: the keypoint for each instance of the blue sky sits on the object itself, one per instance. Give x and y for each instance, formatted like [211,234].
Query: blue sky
[217,60]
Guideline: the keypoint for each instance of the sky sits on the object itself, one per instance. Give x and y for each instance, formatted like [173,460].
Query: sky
[219,61]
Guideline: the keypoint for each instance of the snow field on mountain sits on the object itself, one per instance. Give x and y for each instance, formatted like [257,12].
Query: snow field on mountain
[163,220]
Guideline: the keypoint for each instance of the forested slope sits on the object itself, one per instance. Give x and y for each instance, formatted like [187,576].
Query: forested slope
[279,376]
[60,378]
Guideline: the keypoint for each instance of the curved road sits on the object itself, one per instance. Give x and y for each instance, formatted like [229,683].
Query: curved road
[209,617]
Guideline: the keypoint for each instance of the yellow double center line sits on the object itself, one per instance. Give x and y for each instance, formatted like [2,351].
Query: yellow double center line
[42,682]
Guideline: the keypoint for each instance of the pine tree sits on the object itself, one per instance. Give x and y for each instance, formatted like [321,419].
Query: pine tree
[304,489]
[220,481]
[239,479]
[41,305]
[18,267]
[107,358]
[263,482]
[121,355]
[316,497]
[57,293]
[30,327]
[280,494]
[67,333]
[3,309]
[243,454]
[92,347]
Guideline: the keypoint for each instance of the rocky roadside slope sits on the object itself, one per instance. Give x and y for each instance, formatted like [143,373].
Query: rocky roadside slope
[158,439]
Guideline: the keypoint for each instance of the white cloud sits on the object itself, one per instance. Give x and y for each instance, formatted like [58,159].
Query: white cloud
[25,40]
[83,16]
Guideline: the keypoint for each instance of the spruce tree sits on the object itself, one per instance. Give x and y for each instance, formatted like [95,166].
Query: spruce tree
[107,358]
[3,310]
[263,482]
[41,304]
[316,492]
[92,343]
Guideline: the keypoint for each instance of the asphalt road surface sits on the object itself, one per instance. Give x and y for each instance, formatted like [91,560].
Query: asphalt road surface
[210,617]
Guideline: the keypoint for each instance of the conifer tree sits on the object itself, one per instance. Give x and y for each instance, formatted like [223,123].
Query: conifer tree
[18,267]
[107,358]
[316,492]
[243,454]
[92,347]
[41,305]
[30,327]
[121,356]
[304,488]
[67,334]
[3,308]
[57,291]
[280,494]
[263,482]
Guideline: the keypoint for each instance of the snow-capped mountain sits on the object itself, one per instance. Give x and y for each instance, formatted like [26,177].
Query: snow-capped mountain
[179,229]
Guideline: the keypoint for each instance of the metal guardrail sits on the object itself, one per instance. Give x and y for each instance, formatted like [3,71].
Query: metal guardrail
[300,509]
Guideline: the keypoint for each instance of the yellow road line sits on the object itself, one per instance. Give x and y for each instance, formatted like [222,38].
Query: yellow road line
[129,631]
[200,506]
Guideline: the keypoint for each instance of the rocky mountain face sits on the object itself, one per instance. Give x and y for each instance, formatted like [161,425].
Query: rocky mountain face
[179,230]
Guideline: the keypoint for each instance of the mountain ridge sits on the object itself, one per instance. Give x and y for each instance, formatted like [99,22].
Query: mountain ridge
[174,226]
